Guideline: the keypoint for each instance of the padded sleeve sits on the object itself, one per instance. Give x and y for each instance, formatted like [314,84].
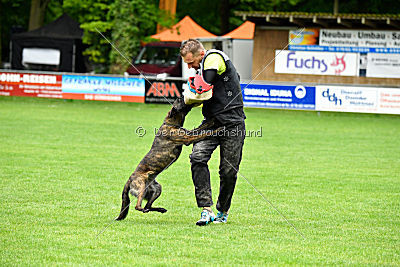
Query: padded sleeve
[210,75]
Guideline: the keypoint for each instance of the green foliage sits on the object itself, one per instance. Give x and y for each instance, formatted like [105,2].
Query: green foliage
[124,22]
[12,14]
[53,11]
[133,21]
[203,12]
[92,15]
[207,13]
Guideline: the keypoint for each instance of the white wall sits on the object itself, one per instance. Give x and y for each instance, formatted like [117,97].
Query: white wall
[242,57]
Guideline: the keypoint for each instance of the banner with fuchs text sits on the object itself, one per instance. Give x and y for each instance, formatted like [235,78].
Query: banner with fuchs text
[317,63]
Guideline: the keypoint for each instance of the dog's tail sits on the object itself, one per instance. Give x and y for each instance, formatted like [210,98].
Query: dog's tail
[125,201]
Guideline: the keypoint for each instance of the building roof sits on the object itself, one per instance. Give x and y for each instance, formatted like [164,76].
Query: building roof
[325,20]
[183,30]
[244,31]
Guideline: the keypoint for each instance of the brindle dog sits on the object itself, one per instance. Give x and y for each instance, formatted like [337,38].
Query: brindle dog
[166,148]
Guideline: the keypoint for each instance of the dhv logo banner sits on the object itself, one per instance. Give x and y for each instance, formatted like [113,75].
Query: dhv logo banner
[346,98]
[320,63]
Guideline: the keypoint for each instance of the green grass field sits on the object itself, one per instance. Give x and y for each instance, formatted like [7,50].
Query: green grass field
[63,164]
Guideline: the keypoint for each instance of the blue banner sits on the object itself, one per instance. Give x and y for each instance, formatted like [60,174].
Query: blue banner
[103,85]
[347,49]
[279,96]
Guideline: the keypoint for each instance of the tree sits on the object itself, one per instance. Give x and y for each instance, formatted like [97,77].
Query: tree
[13,15]
[133,22]
[218,16]
[93,15]
[124,22]
[38,10]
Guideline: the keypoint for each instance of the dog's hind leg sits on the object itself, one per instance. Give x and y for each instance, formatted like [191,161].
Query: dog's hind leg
[154,193]
[162,210]
[125,201]
[141,192]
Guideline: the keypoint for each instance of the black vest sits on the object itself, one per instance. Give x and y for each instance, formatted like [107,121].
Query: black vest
[226,104]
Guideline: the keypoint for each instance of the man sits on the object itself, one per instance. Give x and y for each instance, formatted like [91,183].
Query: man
[215,71]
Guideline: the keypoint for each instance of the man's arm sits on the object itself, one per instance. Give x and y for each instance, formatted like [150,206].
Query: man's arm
[210,75]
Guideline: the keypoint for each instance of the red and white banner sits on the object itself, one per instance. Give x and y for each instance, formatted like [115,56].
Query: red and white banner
[389,100]
[320,63]
[30,84]
[72,87]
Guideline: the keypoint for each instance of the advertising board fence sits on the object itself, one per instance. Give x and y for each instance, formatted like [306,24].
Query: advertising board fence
[262,95]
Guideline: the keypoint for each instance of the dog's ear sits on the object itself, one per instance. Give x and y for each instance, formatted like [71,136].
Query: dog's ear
[178,103]
[172,112]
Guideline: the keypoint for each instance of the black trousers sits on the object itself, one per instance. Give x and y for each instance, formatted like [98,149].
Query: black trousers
[231,142]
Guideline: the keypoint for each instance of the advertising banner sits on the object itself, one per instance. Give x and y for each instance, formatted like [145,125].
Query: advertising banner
[383,65]
[347,49]
[389,100]
[103,88]
[305,37]
[30,84]
[278,96]
[320,63]
[165,92]
[346,99]
[360,38]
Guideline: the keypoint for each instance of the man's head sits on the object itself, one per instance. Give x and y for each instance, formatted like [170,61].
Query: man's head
[192,52]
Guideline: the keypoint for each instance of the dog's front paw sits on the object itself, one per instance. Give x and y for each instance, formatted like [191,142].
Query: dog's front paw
[145,210]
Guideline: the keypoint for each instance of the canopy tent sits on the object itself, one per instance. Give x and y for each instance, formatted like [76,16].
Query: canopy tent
[56,46]
[244,31]
[183,30]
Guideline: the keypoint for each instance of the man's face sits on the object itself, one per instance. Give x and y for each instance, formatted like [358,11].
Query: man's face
[193,61]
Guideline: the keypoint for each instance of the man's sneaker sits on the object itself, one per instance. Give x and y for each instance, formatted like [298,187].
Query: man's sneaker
[206,217]
[222,217]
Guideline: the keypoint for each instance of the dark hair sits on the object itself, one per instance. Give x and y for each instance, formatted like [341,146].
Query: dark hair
[193,46]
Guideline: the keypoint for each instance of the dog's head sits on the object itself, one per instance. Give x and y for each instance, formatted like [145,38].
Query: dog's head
[178,111]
